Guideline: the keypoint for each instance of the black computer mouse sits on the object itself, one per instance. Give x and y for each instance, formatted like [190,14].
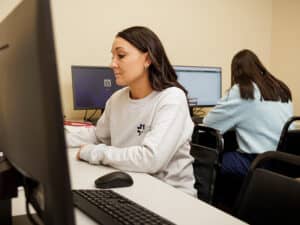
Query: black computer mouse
[114,180]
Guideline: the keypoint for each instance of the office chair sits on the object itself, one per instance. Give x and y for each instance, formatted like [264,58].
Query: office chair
[269,196]
[230,141]
[290,138]
[206,146]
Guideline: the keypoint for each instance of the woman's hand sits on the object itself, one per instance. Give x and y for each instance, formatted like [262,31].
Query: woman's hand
[91,153]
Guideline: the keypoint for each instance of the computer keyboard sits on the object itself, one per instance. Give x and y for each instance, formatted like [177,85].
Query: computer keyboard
[110,208]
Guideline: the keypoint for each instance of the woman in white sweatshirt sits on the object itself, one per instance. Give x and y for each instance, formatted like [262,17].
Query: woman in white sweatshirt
[146,126]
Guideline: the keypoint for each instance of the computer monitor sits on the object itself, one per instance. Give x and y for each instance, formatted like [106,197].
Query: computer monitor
[31,118]
[204,84]
[92,86]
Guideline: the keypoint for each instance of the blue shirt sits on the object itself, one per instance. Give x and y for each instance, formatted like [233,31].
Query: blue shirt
[257,123]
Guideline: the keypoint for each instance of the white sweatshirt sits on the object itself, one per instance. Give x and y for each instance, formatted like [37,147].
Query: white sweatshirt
[257,123]
[149,135]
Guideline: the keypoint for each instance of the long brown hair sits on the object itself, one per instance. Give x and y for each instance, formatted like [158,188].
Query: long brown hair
[161,73]
[246,68]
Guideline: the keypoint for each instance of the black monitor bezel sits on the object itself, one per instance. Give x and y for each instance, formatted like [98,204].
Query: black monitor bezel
[28,32]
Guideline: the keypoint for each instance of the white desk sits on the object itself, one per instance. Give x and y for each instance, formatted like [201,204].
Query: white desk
[148,191]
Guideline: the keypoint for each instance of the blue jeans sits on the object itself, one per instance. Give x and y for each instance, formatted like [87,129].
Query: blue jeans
[234,168]
[236,163]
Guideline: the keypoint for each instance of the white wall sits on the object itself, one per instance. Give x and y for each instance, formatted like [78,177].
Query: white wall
[194,32]
[285,61]
[6,6]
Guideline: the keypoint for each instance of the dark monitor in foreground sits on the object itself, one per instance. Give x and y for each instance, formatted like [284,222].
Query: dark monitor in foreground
[204,84]
[92,86]
[31,134]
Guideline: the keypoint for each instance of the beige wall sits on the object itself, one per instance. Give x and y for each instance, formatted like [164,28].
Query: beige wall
[194,32]
[7,6]
[285,60]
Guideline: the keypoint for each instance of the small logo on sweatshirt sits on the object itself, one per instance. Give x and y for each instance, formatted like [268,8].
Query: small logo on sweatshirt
[140,129]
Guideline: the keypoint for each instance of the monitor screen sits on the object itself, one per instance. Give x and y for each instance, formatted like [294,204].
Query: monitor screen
[31,118]
[92,86]
[204,84]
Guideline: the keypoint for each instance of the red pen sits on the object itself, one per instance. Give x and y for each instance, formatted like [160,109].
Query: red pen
[77,123]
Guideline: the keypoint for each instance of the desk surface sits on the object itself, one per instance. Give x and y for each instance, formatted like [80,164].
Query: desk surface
[148,191]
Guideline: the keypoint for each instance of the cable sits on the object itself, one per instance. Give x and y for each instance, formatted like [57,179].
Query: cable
[91,116]
[30,217]
[85,115]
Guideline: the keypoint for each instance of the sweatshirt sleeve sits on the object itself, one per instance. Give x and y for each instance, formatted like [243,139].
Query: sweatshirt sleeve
[77,136]
[228,112]
[103,126]
[171,129]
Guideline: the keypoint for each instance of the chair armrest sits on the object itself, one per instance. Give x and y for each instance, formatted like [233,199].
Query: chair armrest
[277,156]
[201,130]
[285,130]
[292,119]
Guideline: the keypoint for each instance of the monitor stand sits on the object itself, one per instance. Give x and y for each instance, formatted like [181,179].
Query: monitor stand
[5,212]
[10,179]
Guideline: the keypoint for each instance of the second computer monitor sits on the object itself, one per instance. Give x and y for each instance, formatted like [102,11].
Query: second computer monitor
[92,86]
[204,84]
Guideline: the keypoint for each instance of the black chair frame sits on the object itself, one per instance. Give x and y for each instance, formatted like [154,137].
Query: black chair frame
[290,138]
[206,146]
[270,195]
